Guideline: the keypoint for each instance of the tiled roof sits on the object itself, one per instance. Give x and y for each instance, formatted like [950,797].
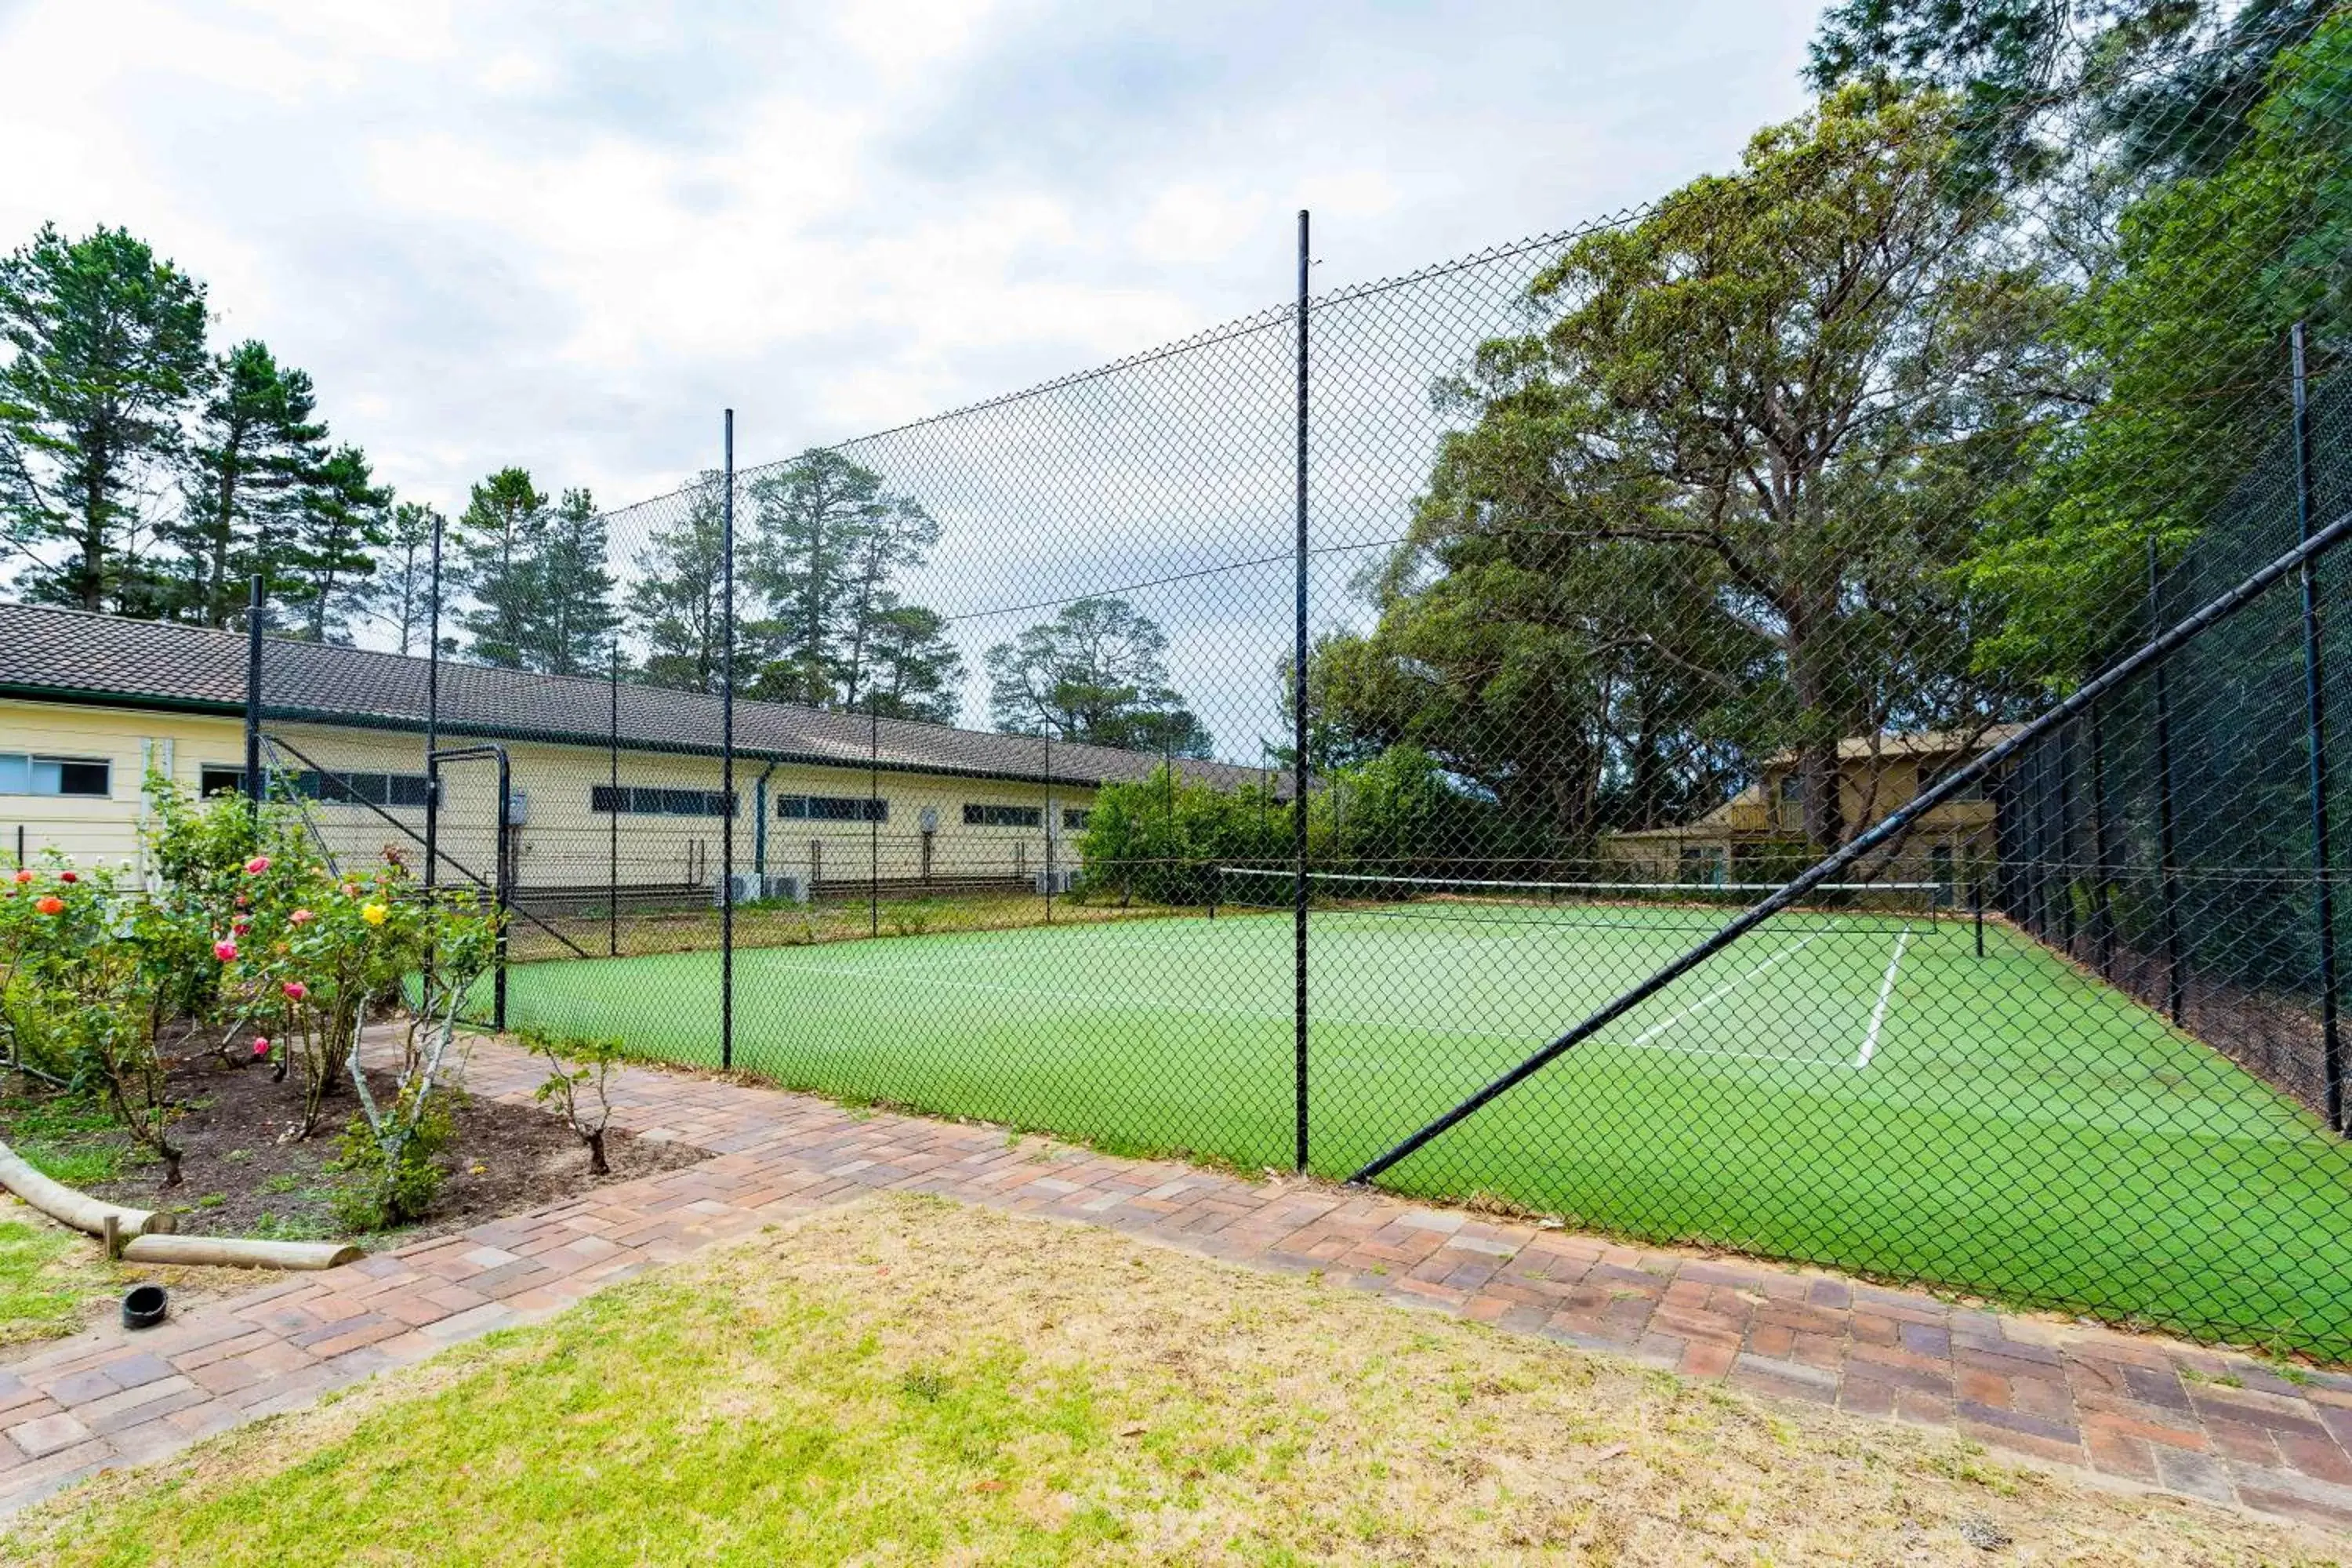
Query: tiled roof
[62,654]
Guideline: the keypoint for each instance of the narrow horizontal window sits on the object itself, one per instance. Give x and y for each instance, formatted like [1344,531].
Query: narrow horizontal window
[976,814]
[336,787]
[832,808]
[644,801]
[23,774]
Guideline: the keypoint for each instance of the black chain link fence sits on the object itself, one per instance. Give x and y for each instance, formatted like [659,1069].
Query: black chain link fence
[1749,553]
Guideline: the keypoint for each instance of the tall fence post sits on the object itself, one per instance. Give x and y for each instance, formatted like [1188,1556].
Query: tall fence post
[2314,717]
[254,791]
[613,819]
[2167,863]
[433,717]
[2103,917]
[873,815]
[1299,726]
[502,896]
[727,761]
[1047,735]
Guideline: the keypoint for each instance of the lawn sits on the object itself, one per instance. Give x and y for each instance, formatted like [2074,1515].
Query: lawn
[46,1278]
[1849,1090]
[910,1382]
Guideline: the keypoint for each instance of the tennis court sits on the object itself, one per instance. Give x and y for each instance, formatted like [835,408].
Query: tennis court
[1850,1087]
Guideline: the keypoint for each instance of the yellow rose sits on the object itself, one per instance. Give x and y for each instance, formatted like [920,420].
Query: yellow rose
[373,914]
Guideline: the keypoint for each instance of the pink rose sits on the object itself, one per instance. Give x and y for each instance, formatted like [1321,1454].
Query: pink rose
[257,866]
[295,990]
[238,928]
[23,877]
[302,917]
[224,950]
[261,1045]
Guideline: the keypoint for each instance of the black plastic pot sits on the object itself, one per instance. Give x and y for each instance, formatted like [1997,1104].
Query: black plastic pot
[143,1306]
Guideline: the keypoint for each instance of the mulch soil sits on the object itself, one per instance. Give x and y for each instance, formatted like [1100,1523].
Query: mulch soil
[245,1174]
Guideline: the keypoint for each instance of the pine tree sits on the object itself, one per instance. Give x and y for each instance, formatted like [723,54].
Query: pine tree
[826,541]
[1097,673]
[675,605]
[915,671]
[340,520]
[107,349]
[573,620]
[257,448]
[498,541]
[402,592]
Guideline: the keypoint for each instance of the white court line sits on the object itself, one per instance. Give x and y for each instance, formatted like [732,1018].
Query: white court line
[1199,1009]
[1720,990]
[1885,994]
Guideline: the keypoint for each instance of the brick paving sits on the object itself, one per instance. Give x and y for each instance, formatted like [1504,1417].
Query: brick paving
[2138,1410]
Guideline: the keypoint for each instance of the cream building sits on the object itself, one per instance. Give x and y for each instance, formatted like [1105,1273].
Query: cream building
[614,788]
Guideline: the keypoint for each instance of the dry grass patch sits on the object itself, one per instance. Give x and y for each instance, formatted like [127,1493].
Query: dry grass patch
[908,1381]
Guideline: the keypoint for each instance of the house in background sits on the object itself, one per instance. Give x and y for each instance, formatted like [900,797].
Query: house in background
[615,788]
[1759,835]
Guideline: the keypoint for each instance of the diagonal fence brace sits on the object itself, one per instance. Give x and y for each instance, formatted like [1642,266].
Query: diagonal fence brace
[2206,616]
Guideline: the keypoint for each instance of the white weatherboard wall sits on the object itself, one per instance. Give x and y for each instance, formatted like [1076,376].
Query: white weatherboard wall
[562,842]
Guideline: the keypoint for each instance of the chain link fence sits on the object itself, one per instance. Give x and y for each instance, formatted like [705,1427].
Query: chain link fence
[1794,720]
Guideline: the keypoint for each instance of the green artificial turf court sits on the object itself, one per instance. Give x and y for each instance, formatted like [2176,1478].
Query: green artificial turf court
[1859,1090]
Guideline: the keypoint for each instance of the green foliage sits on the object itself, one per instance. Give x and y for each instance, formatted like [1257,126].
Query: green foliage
[107,345]
[343,518]
[579,1079]
[257,440]
[1644,562]
[828,541]
[1160,839]
[389,1183]
[674,603]
[2188,326]
[496,536]
[1097,674]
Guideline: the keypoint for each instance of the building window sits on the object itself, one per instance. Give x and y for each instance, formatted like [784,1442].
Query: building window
[24,775]
[1074,818]
[978,815]
[832,808]
[640,801]
[212,780]
[348,789]
[1975,789]
[1707,865]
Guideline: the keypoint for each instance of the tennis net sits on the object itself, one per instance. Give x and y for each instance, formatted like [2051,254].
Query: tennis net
[1642,906]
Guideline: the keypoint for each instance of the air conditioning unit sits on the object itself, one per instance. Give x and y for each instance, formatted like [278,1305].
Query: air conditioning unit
[751,886]
[1060,880]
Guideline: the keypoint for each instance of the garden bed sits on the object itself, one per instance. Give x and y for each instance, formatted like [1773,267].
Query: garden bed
[243,1178]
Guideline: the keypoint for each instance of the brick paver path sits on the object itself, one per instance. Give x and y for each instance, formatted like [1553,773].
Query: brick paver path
[2144,1411]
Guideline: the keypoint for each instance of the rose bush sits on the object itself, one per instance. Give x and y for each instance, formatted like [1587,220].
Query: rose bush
[242,929]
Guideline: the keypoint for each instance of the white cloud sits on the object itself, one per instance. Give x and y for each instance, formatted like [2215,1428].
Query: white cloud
[566,235]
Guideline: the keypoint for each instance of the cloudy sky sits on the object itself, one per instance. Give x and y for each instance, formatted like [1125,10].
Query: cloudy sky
[565,236]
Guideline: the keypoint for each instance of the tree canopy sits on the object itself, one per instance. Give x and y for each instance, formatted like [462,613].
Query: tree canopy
[1097,672]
